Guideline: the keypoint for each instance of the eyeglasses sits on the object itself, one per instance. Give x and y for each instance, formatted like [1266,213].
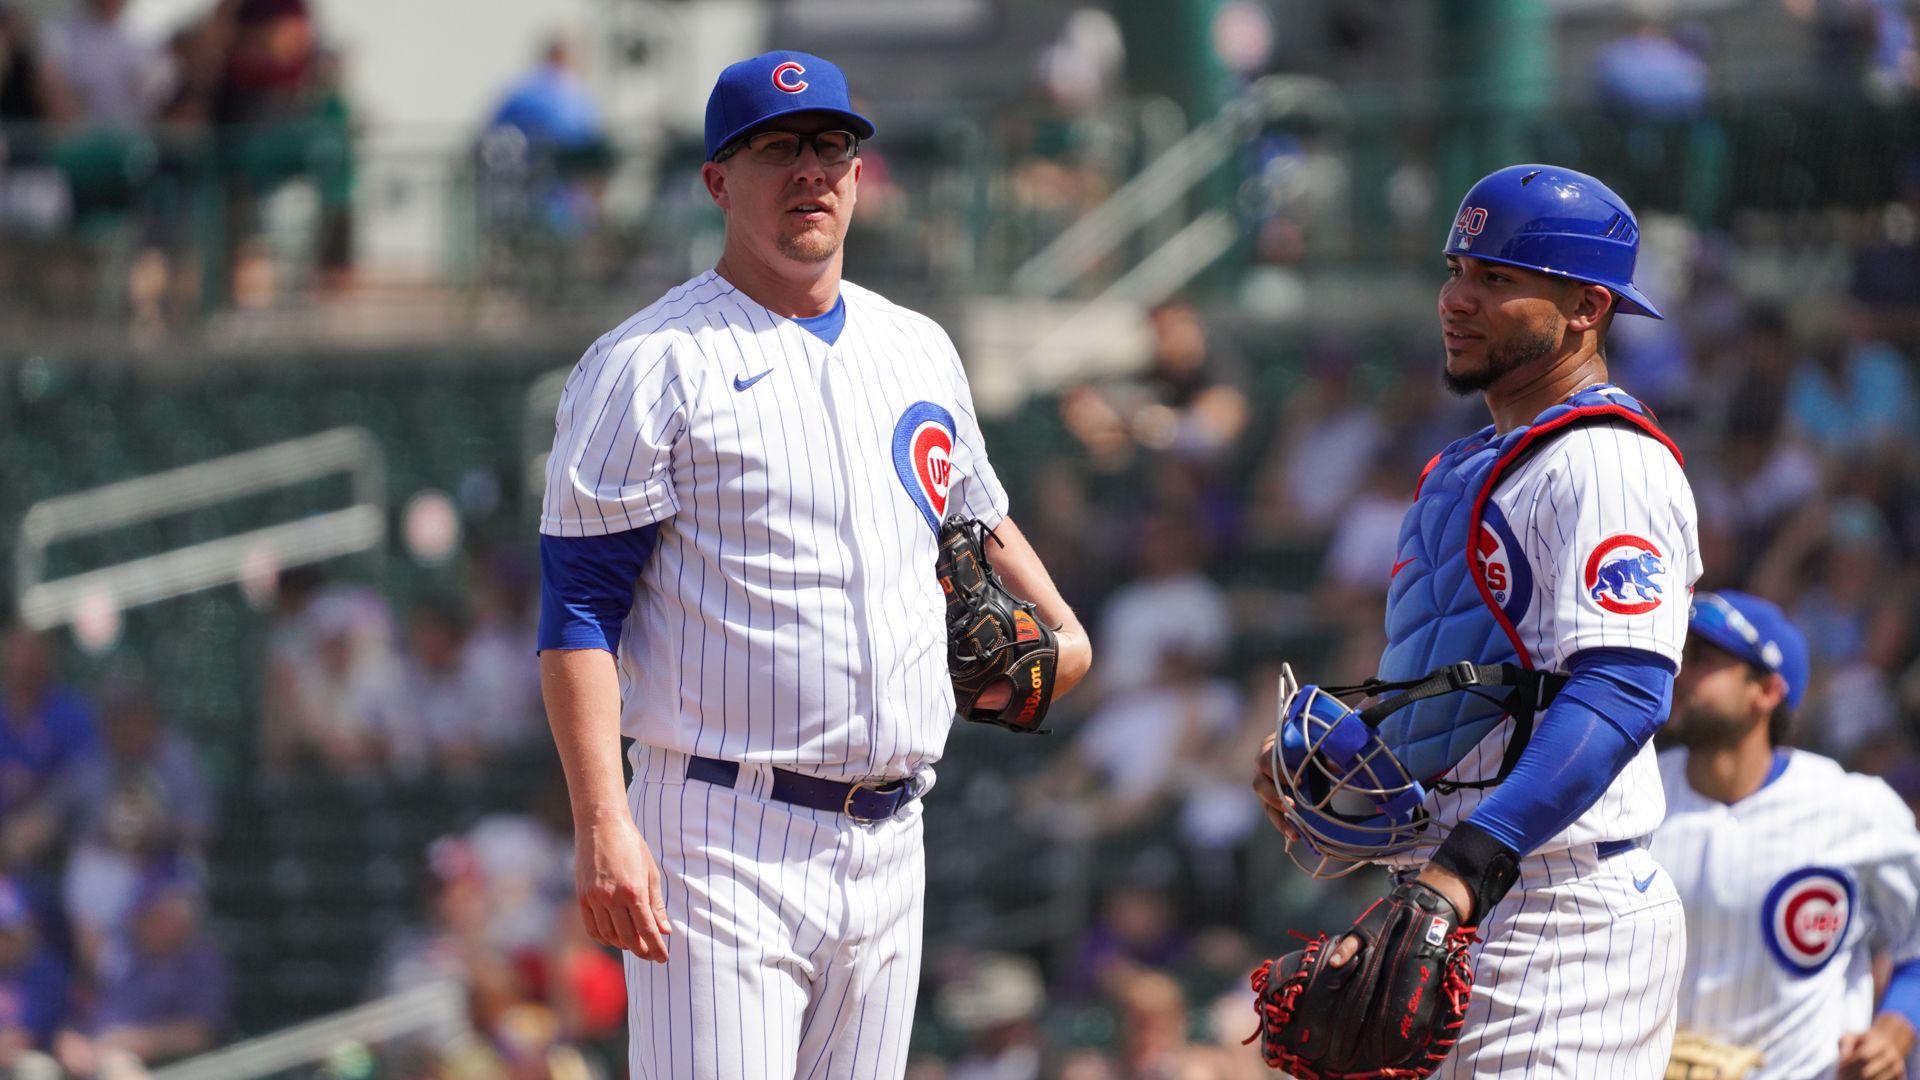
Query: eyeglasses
[783,147]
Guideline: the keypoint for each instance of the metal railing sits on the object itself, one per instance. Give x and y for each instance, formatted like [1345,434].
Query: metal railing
[360,526]
[436,1012]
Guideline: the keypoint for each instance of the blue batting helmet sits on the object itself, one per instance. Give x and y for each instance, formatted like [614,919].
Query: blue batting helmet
[1556,221]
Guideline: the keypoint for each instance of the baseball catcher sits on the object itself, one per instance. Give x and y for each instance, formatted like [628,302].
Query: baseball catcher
[993,637]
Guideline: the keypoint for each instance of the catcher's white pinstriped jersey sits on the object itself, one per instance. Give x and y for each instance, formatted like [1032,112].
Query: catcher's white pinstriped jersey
[1587,500]
[1787,893]
[1577,968]
[790,614]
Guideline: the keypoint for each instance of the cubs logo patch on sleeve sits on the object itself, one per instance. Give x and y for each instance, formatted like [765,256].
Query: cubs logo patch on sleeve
[1805,916]
[923,457]
[1623,575]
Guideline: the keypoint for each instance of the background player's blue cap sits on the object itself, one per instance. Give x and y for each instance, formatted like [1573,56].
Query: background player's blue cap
[773,85]
[1756,631]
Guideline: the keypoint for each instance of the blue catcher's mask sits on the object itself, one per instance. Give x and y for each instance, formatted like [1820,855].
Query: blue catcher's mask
[1353,802]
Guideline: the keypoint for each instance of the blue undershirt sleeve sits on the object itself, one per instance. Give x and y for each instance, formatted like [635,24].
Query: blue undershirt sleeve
[1903,992]
[1611,705]
[586,586]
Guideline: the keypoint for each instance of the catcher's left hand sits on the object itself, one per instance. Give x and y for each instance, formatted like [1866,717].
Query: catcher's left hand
[994,639]
[1394,1009]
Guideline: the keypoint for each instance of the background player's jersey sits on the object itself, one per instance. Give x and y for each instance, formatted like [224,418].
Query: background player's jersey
[790,614]
[1591,542]
[1787,892]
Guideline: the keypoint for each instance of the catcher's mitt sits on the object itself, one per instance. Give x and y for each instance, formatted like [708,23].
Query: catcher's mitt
[1394,1009]
[1696,1057]
[992,635]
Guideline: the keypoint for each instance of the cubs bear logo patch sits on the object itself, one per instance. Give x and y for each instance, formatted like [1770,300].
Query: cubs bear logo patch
[1623,575]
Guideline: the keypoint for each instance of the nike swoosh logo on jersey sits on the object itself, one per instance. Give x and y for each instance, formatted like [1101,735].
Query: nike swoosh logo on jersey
[1401,565]
[1642,883]
[741,384]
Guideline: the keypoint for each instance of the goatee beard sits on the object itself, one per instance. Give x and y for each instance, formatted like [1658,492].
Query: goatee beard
[1502,358]
[813,247]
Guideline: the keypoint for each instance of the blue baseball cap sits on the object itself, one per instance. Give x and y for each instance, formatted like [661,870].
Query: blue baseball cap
[1756,631]
[773,85]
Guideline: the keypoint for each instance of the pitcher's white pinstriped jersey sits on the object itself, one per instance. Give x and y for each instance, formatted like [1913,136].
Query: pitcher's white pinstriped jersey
[790,614]
[1585,499]
[1787,893]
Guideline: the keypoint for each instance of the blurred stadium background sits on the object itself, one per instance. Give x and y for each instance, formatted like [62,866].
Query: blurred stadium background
[287,288]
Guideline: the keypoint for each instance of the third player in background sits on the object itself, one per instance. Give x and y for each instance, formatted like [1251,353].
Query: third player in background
[1793,871]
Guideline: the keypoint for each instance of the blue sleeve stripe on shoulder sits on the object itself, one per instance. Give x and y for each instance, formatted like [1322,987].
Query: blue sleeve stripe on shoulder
[586,586]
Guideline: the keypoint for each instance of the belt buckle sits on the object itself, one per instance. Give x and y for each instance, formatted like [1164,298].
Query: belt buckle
[846,805]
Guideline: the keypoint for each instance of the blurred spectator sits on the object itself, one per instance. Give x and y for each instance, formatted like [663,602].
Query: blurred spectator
[1885,275]
[164,997]
[282,115]
[1296,194]
[1143,746]
[117,79]
[45,728]
[546,159]
[526,862]
[1170,611]
[336,655]
[1852,393]
[1153,1031]
[1649,75]
[1760,475]
[1189,403]
[142,803]
[29,91]
[1136,930]
[271,57]
[1069,150]
[1861,46]
[995,1000]
[1366,541]
[550,106]
[452,942]
[441,711]
[33,983]
[1835,564]
[586,987]
[504,586]
[1327,440]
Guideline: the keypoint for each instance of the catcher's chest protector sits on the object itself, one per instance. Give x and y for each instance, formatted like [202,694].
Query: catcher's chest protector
[1443,606]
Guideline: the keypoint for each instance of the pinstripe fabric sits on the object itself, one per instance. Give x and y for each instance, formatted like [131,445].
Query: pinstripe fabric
[796,936]
[1725,861]
[1577,974]
[790,614]
[1581,488]
[789,617]
[1579,969]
